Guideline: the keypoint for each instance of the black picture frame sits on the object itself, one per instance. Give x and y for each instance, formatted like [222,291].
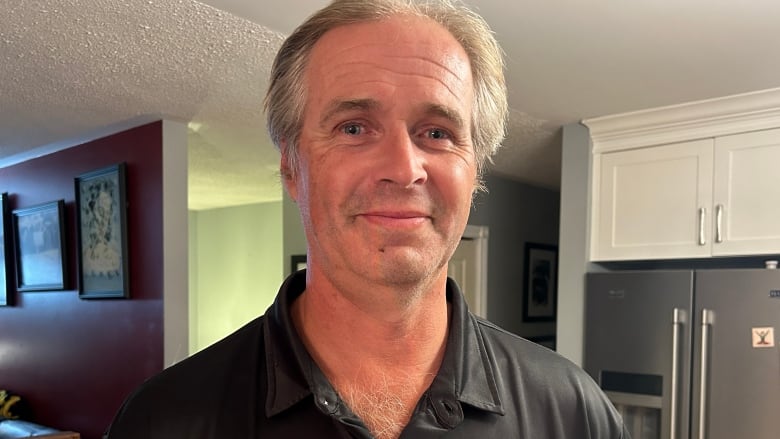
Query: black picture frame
[297,263]
[101,223]
[5,244]
[39,233]
[540,282]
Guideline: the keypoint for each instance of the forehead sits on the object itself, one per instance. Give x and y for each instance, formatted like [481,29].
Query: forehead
[394,53]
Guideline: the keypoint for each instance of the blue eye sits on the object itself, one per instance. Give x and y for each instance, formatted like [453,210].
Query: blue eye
[352,129]
[437,134]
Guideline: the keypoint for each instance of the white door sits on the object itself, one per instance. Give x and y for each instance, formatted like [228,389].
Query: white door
[746,194]
[468,267]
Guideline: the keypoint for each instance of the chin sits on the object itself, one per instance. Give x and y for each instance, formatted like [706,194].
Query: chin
[406,270]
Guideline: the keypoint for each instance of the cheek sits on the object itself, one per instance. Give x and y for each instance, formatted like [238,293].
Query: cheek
[458,181]
[301,189]
[319,189]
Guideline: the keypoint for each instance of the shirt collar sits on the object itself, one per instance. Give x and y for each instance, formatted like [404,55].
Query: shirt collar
[467,373]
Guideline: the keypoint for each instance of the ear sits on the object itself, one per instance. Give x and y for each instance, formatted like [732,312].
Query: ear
[288,174]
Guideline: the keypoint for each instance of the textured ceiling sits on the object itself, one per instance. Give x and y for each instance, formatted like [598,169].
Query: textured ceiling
[73,70]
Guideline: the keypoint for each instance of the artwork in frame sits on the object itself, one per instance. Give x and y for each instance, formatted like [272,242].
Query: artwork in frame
[39,233]
[5,275]
[540,282]
[101,222]
[297,262]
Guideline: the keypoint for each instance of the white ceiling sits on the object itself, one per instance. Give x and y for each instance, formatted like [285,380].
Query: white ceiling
[72,70]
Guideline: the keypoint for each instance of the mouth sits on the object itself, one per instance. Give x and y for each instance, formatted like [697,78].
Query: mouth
[396,219]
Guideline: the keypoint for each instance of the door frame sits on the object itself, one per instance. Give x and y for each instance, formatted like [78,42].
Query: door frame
[480,235]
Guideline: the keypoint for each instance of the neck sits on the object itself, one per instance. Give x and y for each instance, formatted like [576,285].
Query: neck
[371,345]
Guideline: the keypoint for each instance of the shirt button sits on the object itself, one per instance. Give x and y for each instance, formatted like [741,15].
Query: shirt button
[448,413]
[326,405]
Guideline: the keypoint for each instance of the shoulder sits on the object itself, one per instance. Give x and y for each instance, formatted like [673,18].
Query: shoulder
[225,357]
[542,384]
[521,353]
[196,387]
[539,367]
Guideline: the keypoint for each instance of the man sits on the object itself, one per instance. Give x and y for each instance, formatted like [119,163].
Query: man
[385,113]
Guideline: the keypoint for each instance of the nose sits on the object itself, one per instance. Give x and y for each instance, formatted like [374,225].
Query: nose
[402,161]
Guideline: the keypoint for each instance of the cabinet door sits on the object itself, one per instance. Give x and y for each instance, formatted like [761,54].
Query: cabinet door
[653,202]
[747,193]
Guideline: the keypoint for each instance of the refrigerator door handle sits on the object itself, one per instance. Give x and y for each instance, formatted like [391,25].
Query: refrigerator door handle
[706,323]
[678,319]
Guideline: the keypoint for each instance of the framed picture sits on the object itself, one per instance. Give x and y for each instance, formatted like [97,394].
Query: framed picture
[540,282]
[40,247]
[101,220]
[297,262]
[5,276]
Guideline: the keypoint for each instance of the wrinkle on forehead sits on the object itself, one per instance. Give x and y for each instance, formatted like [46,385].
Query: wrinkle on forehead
[413,45]
[435,54]
[456,72]
[335,73]
[379,61]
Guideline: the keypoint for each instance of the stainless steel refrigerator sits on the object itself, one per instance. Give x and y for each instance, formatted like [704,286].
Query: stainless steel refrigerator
[688,354]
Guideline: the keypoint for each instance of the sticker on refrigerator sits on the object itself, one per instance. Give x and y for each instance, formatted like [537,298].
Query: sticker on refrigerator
[764,337]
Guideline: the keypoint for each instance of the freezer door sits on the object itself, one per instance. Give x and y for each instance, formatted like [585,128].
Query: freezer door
[637,345]
[736,355]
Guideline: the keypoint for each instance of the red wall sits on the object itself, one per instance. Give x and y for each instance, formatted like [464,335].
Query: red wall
[74,360]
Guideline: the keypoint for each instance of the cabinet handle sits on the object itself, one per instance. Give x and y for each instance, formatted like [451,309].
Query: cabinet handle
[678,320]
[706,323]
[718,223]
[702,218]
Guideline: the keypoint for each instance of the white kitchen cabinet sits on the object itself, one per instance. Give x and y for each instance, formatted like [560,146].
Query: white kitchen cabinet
[651,202]
[693,180]
[746,194]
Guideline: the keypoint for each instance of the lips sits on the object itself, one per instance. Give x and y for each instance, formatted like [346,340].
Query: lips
[396,219]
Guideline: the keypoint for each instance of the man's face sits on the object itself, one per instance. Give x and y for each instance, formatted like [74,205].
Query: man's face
[387,167]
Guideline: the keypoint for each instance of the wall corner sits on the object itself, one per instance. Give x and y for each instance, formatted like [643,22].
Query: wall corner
[573,240]
[175,243]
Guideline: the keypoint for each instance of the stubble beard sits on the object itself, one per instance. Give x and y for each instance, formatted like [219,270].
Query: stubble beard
[406,261]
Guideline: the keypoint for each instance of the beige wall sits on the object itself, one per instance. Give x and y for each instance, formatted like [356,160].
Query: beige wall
[294,235]
[235,268]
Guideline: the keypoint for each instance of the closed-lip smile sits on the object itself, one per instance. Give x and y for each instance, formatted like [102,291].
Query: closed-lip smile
[395,218]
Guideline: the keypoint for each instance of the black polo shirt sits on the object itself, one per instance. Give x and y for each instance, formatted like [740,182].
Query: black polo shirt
[260,382]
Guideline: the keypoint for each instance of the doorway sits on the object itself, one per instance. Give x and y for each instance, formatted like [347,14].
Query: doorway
[468,267]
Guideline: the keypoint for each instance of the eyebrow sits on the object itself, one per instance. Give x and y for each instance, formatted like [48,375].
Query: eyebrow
[446,112]
[338,106]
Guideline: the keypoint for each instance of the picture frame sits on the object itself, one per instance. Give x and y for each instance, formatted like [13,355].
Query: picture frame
[540,282]
[39,233]
[297,263]
[6,287]
[101,223]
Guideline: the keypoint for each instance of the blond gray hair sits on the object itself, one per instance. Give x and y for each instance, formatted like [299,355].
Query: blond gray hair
[286,97]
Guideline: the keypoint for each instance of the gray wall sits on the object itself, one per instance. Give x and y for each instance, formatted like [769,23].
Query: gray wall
[515,213]
[573,252]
